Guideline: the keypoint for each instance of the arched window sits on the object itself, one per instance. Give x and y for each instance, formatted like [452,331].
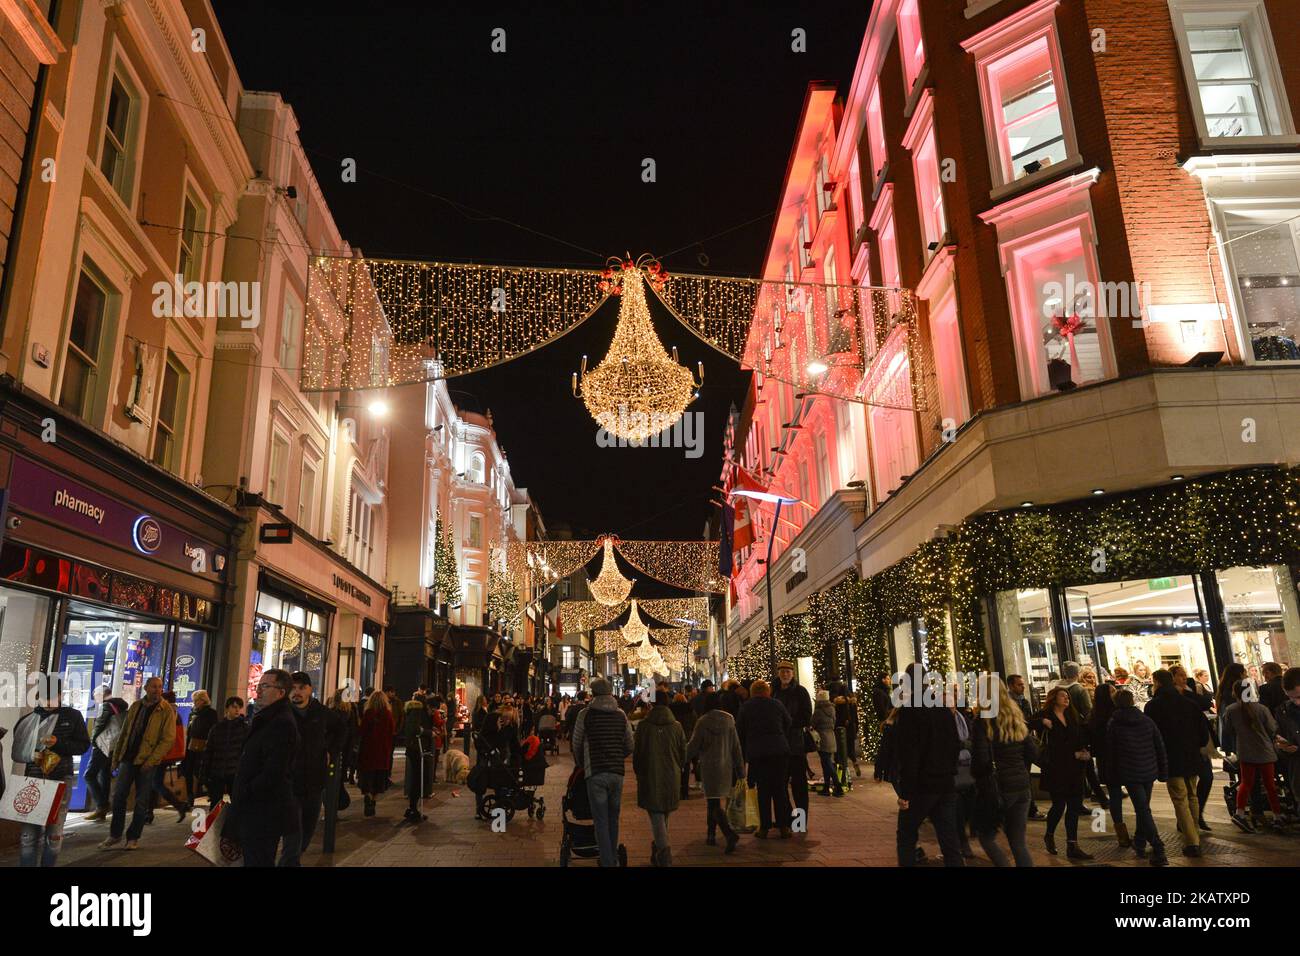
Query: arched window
[476,468]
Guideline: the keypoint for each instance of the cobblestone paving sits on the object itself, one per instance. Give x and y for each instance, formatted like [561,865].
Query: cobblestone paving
[857,830]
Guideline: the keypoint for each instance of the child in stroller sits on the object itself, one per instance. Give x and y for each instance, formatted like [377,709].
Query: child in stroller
[549,732]
[498,782]
[578,836]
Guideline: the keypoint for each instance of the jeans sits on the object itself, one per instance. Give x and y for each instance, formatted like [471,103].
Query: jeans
[1015,821]
[658,829]
[218,787]
[1072,807]
[769,774]
[1182,791]
[40,846]
[129,774]
[941,810]
[605,790]
[832,780]
[1145,827]
[1204,785]
[717,818]
[296,842]
[99,778]
[1115,794]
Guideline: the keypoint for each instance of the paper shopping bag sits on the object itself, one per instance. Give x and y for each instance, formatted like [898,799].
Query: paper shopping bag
[751,808]
[31,800]
[736,806]
[201,824]
[217,850]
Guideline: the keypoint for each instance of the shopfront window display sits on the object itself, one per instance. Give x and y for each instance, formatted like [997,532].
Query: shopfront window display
[1260,609]
[286,635]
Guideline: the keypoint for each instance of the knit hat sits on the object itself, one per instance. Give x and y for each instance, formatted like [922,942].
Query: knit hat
[823,694]
[601,686]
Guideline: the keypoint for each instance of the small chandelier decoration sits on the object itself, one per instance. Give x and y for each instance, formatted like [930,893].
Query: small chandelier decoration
[610,587]
[638,389]
[635,631]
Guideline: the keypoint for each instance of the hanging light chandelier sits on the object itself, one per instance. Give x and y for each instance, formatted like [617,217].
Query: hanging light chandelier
[610,587]
[637,390]
[635,631]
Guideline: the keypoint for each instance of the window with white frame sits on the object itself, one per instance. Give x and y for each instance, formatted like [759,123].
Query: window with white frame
[277,469]
[855,194]
[805,241]
[929,184]
[823,194]
[910,42]
[823,468]
[805,489]
[307,485]
[291,333]
[1232,70]
[477,473]
[890,422]
[171,415]
[949,366]
[876,135]
[87,340]
[120,134]
[475,531]
[1261,243]
[832,279]
[473,609]
[887,241]
[1026,104]
[189,265]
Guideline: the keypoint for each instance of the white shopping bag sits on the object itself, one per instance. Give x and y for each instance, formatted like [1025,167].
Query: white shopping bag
[212,847]
[31,800]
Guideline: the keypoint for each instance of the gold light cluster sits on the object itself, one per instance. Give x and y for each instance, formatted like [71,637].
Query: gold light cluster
[589,615]
[610,587]
[637,390]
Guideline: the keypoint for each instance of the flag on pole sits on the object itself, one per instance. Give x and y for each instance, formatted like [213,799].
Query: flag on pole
[742,531]
[725,546]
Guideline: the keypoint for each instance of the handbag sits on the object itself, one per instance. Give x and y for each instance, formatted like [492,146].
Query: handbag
[33,800]
[809,742]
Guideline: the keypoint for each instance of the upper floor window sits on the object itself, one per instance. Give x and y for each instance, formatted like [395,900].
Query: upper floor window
[823,181]
[86,340]
[882,224]
[855,193]
[1022,86]
[307,484]
[277,470]
[805,241]
[909,39]
[290,333]
[476,469]
[876,136]
[171,412]
[120,133]
[929,186]
[475,531]
[1231,68]
[189,265]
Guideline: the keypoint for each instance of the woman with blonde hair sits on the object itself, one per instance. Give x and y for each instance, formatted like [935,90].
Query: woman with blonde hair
[1013,749]
[202,719]
[376,755]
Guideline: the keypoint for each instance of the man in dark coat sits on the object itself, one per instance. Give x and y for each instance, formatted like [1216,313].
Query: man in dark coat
[1271,693]
[1184,732]
[764,731]
[928,746]
[58,734]
[263,806]
[319,734]
[796,700]
[225,744]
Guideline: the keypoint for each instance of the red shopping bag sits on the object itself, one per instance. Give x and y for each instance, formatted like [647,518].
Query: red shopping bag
[31,800]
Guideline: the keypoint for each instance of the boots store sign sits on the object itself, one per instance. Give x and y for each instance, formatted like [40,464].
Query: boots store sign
[39,491]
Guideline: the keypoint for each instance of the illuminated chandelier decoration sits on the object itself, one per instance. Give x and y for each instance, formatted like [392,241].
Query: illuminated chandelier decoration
[635,629]
[610,587]
[637,390]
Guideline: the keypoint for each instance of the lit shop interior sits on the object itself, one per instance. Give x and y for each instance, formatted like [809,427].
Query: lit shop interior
[1202,622]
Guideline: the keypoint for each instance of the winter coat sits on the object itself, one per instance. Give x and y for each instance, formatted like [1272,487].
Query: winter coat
[1288,728]
[319,730]
[602,736]
[377,734]
[657,757]
[71,739]
[1182,728]
[200,727]
[1079,698]
[823,725]
[262,801]
[730,702]
[1011,761]
[225,744]
[799,704]
[1272,694]
[716,744]
[927,747]
[685,715]
[1253,746]
[417,728]
[159,734]
[112,714]
[764,727]
[1062,770]
[1137,751]
[881,702]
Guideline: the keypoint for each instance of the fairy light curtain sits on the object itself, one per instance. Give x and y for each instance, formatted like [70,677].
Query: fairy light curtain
[378,323]
[689,565]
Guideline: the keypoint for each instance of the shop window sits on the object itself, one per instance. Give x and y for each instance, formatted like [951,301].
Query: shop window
[287,635]
[1262,247]
[910,42]
[904,647]
[1022,87]
[1231,67]
[1028,643]
[120,135]
[189,263]
[876,137]
[1260,607]
[171,415]
[24,626]
[187,669]
[86,343]
[291,333]
[1059,323]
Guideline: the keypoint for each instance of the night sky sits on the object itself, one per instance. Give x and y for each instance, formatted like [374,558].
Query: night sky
[534,157]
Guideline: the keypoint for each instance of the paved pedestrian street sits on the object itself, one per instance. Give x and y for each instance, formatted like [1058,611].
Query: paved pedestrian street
[857,830]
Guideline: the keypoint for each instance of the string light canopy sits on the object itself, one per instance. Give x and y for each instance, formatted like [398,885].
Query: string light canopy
[589,615]
[637,390]
[635,629]
[380,323]
[610,587]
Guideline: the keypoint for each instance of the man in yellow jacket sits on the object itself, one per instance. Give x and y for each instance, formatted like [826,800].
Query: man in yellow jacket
[147,735]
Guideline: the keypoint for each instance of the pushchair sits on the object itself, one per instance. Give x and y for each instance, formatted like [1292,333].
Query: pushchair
[497,784]
[548,729]
[1286,796]
[578,836]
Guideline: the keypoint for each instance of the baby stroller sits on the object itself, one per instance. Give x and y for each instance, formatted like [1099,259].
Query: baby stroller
[579,833]
[499,785]
[548,729]
[1286,796]
[533,775]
